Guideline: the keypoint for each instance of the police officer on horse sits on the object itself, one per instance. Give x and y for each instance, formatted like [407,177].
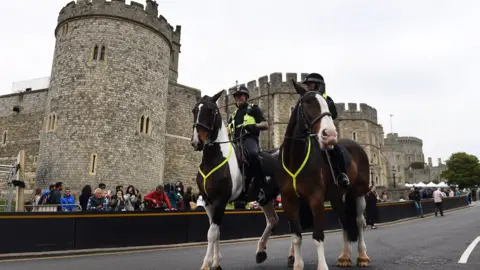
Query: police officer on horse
[245,124]
[315,82]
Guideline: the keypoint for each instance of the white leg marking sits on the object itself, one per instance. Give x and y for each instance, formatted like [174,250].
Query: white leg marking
[347,249]
[214,234]
[297,249]
[207,261]
[291,252]
[469,250]
[362,247]
[322,263]
[271,218]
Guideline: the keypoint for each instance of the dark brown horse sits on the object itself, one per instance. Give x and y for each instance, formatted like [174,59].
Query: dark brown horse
[220,179]
[306,179]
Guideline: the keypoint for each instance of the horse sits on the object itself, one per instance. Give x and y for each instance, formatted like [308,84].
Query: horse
[307,180]
[219,178]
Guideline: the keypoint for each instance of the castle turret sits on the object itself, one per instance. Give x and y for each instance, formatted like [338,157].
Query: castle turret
[106,106]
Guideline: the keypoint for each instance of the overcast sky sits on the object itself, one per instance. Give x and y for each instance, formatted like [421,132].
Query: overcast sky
[413,59]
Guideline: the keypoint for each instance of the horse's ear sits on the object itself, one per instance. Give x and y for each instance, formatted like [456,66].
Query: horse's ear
[300,90]
[216,96]
[198,98]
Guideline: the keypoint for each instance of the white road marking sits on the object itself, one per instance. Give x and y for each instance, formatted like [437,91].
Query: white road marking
[469,250]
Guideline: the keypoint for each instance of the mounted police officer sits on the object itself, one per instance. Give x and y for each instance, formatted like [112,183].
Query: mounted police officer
[315,82]
[248,120]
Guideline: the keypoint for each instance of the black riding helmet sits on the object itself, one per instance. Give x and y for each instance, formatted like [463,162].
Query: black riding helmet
[318,80]
[242,90]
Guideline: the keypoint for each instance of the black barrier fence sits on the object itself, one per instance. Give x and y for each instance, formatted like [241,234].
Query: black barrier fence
[34,232]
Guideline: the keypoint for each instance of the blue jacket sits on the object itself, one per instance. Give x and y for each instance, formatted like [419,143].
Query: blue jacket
[68,200]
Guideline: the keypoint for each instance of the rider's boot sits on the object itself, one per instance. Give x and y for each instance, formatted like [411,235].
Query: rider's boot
[342,177]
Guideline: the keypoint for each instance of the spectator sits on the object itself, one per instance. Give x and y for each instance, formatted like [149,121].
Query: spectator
[56,196]
[68,201]
[97,202]
[189,199]
[86,194]
[173,196]
[158,199]
[415,197]
[384,197]
[371,207]
[132,198]
[117,188]
[438,200]
[118,204]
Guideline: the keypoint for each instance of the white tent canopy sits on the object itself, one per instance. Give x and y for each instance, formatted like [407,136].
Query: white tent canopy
[429,185]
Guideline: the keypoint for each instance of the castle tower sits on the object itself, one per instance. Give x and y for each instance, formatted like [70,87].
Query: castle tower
[106,108]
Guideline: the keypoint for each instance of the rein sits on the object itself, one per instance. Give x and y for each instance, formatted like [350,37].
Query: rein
[306,136]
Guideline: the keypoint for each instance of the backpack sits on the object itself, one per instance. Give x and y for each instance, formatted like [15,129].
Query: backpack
[45,199]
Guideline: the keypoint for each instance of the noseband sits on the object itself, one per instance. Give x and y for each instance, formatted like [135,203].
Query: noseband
[309,124]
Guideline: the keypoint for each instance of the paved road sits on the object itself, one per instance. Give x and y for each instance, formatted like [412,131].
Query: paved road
[429,243]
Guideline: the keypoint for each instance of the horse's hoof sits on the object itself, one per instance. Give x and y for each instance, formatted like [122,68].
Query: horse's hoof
[344,262]
[363,262]
[217,268]
[261,257]
[290,261]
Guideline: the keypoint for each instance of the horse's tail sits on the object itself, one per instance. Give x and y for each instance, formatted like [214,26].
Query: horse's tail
[351,226]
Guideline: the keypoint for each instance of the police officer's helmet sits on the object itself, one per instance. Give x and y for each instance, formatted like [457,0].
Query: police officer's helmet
[242,90]
[314,78]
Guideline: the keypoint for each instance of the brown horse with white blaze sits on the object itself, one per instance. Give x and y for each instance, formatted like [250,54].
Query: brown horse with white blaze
[220,178]
[307,179]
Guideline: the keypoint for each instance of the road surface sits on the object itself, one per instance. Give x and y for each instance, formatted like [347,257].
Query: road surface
[428,243]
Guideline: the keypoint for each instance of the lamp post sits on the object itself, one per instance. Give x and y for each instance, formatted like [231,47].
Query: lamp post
[393,174]
[371,174]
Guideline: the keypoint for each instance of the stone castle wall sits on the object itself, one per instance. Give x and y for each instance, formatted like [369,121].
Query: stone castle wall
[98,102]
[22,129]
[181,162]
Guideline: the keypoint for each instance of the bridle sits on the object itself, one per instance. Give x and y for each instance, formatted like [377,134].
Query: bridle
[306,119]
[215,114]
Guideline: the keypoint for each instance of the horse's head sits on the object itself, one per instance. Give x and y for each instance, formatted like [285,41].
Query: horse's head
[207,121]
[312,110]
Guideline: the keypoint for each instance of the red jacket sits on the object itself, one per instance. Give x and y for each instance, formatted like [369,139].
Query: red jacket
[158,197]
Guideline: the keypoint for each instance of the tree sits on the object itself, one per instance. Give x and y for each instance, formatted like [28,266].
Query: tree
[462,169]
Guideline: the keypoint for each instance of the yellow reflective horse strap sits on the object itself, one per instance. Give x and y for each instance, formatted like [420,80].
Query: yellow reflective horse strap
[294,176]
[214,169]
[324,95]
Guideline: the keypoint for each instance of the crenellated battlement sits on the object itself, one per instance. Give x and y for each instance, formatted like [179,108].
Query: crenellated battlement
[355,111]
[135,12]
[276,81]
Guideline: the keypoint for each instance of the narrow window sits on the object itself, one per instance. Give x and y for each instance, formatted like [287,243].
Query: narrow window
[54,117]
[95,52]
[35,158]
[354,136]
[374,158]
[48,122]
[147,125]
[93,164]
[142,119]
[102,54]
[376,180]
[4,137]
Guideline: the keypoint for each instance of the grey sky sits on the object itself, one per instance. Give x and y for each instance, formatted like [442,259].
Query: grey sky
[413,59]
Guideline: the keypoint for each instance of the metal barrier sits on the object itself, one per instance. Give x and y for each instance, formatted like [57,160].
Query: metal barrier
[53,208]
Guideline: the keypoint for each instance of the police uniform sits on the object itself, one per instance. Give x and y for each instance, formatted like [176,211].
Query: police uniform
[337,151]
[243,122]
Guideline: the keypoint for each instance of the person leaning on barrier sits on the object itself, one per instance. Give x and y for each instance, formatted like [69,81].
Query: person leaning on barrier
[97,202]
[68,201]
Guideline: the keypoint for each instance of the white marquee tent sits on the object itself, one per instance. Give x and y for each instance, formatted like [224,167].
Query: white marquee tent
[429,185]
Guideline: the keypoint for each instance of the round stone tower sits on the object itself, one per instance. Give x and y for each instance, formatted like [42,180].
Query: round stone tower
[106,107]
